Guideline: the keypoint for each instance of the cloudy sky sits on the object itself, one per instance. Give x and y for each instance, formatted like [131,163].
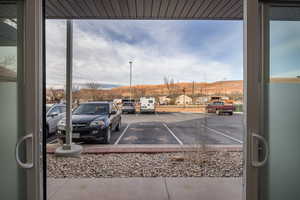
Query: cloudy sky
[285,48]
[183,50]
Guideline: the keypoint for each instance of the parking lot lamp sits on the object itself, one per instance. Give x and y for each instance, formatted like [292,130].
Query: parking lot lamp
[69,72]
[130,64]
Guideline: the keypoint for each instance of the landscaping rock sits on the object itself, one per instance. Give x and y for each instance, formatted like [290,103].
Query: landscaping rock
[187,164]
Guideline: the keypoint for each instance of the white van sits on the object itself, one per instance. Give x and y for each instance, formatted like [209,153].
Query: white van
[147,104]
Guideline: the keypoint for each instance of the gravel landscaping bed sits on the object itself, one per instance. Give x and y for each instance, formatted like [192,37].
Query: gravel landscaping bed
[188,164]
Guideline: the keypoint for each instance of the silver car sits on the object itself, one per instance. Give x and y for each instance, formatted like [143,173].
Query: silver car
[55,112]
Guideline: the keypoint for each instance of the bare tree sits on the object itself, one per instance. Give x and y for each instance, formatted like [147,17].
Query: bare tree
[93,85]
[142,92]
[169,82]
[94,90]
[75,88]
[55,95]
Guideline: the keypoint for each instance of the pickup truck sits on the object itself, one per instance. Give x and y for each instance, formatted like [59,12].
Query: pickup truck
[220,108]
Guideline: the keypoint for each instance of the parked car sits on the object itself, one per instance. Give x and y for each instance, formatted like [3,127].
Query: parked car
[147,104]
[220,107]
[92,121]
[54,113]
[128,107]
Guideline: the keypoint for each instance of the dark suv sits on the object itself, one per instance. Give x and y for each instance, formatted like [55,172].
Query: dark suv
[92,121]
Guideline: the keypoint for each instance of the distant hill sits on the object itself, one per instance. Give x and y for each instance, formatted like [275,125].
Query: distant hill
[285,80]
[219,87]
[224,88]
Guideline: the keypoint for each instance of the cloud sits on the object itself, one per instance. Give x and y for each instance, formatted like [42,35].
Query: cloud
[55,52]
[284,48]
[103,48]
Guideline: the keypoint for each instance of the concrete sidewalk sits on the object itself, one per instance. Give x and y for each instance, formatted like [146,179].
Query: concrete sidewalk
[145,189]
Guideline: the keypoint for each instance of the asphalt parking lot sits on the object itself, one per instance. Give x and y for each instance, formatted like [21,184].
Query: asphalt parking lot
[179,128]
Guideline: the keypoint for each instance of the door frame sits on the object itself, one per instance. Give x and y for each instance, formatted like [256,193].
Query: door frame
[32,94]
[265,74]
[256,71]
[252,91]
[253,88]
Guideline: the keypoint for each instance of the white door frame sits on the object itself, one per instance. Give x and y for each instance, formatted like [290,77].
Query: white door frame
[33,73]
[252,87]
[256,62]
[32,93]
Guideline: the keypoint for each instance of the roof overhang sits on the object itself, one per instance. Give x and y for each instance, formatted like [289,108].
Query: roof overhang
[145,9]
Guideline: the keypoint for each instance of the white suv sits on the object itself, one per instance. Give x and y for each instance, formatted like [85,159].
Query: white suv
[54,114]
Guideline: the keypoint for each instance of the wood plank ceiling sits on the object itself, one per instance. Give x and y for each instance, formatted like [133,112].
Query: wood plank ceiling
[145,9]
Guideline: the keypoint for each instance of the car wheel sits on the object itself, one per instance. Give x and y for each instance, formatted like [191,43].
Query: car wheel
[118,126]
[107,135]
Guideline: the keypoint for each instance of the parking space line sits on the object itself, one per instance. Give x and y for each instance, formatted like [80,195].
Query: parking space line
[118,140]
[173,134]
[224,135]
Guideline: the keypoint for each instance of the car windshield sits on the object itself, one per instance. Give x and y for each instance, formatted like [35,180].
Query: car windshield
[91,109]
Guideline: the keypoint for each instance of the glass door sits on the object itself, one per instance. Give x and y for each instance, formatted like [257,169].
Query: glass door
[12,184]
[20,105]
[279,177]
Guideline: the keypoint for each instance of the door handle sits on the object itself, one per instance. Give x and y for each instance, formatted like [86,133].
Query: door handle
[26,165]
[254,162]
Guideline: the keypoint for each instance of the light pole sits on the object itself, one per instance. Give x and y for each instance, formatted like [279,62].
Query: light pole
[69,74]
[69,149]
[130,63]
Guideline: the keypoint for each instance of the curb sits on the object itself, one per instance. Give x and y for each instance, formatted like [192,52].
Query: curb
[102,149]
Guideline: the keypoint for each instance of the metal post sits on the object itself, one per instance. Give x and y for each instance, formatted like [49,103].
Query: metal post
[252,99]
[69,149]
[68,91]
[130,63]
